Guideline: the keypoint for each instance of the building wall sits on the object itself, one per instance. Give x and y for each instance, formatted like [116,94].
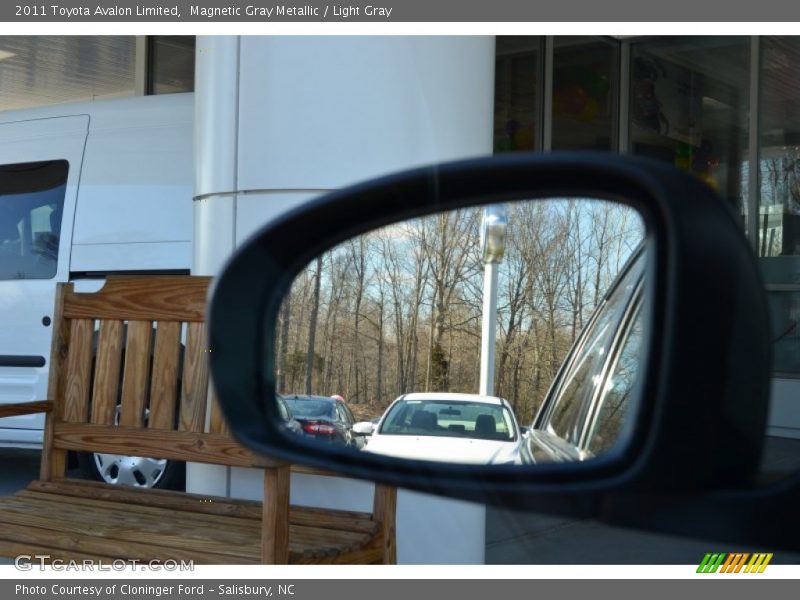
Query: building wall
[280,120]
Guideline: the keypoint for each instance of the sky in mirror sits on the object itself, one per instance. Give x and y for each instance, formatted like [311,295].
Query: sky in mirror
[399,310]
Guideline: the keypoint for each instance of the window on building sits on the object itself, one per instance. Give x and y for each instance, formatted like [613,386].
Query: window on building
[52,69]
[778,240]
[38,70]
[170,64]
[779,151]
[689,105]
[585,93]
[31,206]
[517,103]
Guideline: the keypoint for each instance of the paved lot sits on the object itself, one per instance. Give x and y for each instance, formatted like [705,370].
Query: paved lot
[526,538]
[19,468]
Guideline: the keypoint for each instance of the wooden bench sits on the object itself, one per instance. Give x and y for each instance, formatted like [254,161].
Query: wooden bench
[143,402]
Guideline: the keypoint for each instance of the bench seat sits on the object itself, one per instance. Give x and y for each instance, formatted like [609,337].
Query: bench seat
[80,520]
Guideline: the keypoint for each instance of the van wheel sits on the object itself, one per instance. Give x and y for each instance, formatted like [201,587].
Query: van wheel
[137,471]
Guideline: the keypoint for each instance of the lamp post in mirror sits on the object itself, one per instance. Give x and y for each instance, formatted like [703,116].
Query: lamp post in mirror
[493,246]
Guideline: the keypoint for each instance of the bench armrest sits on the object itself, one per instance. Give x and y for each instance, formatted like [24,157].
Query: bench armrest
[25,408]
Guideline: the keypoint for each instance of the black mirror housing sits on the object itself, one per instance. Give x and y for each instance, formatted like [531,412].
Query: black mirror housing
[705,384]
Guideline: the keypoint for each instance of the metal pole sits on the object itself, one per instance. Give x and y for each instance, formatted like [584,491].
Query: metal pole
[493,247]
[489,328]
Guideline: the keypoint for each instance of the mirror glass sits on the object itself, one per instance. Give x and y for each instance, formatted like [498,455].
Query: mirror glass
[502,334]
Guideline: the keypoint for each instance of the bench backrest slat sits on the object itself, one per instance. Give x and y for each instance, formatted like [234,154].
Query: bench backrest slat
[107,372]
[166,368]
[78,373]
[194,396]
[136,374]
[217,423]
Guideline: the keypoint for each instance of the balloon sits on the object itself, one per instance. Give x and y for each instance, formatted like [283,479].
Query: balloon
[573,99]
[502,144]
[523,139]
[684,150]
[710,180]
[683,162]
[590,110]
[597,85]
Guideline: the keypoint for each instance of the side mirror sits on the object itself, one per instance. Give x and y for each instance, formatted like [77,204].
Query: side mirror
[364,428]
[679,410]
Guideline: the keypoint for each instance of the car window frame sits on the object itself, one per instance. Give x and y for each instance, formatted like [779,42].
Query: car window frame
[349,416]
[341,415]
[578,429]
[622,335]
[283,408]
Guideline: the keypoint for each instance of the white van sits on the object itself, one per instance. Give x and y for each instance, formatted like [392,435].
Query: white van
[86,190]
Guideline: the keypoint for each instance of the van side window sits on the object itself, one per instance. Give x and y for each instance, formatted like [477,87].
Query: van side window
[31,206]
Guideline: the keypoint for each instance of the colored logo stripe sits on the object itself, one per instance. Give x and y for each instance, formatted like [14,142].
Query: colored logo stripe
[710,563]
[734,562]
[758,563]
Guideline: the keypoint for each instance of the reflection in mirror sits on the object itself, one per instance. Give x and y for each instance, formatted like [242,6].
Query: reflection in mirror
[443,337]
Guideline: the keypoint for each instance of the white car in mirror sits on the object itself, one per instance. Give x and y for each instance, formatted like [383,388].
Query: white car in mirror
[458,428]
